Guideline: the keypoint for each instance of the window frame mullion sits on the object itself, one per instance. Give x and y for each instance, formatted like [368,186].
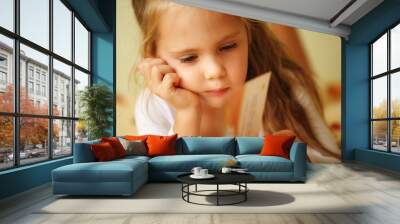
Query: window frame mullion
[16,70]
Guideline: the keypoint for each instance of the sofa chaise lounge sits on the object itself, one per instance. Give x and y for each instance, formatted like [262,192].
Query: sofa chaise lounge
[126,175]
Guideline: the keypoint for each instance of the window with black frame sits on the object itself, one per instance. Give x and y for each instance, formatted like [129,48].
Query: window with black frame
[385,91]
[44,64]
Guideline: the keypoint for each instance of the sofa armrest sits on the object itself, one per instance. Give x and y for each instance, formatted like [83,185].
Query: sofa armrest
[83,152]
[298,155]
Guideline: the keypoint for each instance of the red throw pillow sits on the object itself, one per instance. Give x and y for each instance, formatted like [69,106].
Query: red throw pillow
[277,145]
[103,151]
[116,145]
[161,145]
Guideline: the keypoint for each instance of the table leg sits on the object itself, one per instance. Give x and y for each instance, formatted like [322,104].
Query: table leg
[245,193]
[188,189]
[196,188]
[217,194]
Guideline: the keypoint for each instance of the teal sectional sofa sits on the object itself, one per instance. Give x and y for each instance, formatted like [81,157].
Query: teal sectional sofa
[125,176]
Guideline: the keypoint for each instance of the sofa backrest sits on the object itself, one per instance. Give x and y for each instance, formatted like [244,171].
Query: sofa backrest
[249,145]
[83,152]
[205,145]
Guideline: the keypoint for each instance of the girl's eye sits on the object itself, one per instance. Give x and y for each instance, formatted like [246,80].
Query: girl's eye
[188,59]
[228,47]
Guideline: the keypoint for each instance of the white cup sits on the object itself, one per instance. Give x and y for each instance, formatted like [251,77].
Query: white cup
[196,170]
[203,172]
[226,170]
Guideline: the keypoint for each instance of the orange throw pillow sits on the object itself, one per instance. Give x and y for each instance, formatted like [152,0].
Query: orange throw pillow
[103,151]
[116,145]
[161,145]
[277,145]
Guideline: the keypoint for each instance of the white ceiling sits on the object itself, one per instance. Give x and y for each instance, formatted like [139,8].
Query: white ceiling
[326,16]
[319,9]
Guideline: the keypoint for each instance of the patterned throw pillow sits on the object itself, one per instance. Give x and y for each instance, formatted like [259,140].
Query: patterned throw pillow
[134,147]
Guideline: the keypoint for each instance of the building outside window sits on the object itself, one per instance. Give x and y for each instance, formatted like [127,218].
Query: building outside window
[37,75]
[43,90]
[38,89]
[44,77]
[3,72]
[30,87]
[3,78]
[3,60]
[55,98]
[30,72]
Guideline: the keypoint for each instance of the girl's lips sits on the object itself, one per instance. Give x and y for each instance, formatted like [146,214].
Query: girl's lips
[217,92]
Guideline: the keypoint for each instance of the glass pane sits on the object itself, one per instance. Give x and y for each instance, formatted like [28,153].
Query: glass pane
[62,89]
[6,74]
[81,45]
[379,135]
[379,55]
[6,142]
[62,138]
[81,131]
[35,21]
[395,136]
[395,47]
[395,94]
[33,139]
[7,14]
[81,81]
[379,97]
[34,72]
[62,29]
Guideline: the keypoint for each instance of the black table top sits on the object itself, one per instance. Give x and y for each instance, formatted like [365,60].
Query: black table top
[220,178]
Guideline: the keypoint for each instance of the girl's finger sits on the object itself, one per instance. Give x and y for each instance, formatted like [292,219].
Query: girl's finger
[155,78]
[169,82]
[157,73]
[146,65]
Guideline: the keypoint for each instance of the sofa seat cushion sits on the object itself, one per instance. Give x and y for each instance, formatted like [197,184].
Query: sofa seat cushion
[111,171]
[133,158]
[185,163]
[257,163]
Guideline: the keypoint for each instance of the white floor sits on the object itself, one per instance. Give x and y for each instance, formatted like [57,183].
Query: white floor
[378,189]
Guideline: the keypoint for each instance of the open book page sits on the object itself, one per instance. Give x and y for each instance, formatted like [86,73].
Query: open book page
[246,119]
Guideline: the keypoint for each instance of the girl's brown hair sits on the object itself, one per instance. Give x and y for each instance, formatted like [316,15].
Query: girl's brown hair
[282,109]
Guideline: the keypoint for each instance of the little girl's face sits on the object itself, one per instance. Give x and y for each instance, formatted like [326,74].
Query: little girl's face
[208,50]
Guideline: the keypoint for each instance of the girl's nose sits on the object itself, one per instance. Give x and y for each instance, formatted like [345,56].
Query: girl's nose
[214,69]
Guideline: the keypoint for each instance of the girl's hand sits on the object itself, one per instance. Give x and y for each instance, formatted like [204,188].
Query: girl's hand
[163,81]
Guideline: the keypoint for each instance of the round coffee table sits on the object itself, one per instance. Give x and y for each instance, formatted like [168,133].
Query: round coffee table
[238,179]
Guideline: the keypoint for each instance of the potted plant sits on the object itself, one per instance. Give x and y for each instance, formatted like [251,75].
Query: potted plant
[96,102]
